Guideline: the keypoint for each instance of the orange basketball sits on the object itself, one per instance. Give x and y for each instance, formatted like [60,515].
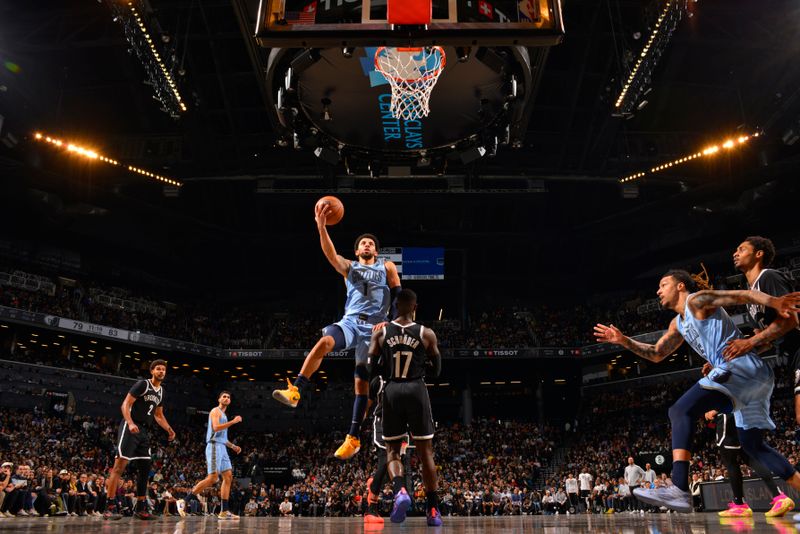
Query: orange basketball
[336,209]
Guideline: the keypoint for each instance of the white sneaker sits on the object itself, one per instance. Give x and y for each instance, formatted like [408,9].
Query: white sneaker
[22,513]
[672,497]
[180,504]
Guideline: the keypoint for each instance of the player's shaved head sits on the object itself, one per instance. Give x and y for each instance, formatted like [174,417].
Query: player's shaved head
[406,301]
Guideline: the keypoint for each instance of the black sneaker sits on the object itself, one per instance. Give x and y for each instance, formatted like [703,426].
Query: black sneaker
[144,515]
[112,515]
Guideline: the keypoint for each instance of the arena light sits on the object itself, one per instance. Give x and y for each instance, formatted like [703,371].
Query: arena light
[88,153]
[635,84]
[711,150]
[159,72]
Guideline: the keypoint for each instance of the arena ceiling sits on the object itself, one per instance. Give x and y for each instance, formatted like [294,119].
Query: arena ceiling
[729,69]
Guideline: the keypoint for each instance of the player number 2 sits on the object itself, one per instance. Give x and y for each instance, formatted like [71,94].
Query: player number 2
[398,356]
[150,411]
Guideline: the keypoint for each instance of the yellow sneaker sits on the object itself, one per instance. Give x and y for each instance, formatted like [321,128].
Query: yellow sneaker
[737,510]
[610,511]
[289,396]
[780,505]
[227,516]
[349,448]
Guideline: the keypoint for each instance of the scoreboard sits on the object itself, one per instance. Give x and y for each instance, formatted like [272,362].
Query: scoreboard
[416,263]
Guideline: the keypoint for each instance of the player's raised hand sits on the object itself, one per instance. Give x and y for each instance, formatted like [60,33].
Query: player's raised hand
[787,304]
[608,334]
[321,213]
[237,419]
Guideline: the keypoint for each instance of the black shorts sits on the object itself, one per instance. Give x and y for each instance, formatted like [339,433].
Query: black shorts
[585,493]
[407,408]
[133,446]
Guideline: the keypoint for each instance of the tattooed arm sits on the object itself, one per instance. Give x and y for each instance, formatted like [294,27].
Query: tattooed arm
[665,346]
[709,300]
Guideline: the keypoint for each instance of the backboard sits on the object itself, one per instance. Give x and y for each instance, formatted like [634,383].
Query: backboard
[348,23]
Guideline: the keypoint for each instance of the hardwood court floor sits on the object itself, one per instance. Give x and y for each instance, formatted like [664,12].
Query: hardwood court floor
[575,524]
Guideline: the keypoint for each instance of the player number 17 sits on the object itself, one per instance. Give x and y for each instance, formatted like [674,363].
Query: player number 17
[398,356]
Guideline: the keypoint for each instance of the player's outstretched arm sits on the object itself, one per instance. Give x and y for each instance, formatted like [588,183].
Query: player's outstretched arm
[762,338]
[709,299]
[665,346]
[341,265]
[158,415]
[432,348]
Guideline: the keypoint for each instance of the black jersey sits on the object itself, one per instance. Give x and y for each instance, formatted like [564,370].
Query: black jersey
[403,354]
[148,399]
[777,284]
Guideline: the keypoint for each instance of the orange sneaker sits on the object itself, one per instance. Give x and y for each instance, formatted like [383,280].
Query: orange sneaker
[289,396]
[780,505]
[349,448]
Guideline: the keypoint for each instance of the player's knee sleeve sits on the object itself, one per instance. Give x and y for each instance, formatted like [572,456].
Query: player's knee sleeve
[335,331]
[143,472]
[682,426]
[361,372]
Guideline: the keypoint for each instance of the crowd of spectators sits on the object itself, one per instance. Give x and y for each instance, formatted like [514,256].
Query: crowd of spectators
[513,326]
[55,463]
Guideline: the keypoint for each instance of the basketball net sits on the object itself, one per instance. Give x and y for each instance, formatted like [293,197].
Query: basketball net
[412,74]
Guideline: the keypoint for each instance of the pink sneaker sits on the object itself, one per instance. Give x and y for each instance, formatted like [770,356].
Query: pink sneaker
[737,510]
[780,505]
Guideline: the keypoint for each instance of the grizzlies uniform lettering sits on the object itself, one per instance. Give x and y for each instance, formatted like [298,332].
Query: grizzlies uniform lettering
[406,405]
[367,291]
[747,380]
[132,446]
[217,459]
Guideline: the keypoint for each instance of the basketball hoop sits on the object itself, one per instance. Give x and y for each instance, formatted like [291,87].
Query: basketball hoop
[412,73]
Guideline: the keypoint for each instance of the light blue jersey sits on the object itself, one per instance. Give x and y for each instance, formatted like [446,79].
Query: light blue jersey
[367,291]
[220,436]
[747,380]
[217,459]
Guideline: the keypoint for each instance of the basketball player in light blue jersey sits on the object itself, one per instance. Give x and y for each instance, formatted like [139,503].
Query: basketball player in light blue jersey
[742,385]
[372,286]
[217,460]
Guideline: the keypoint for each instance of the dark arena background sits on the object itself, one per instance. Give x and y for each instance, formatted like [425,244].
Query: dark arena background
[160,164]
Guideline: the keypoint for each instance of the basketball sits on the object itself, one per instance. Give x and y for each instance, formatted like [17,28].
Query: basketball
[337,209]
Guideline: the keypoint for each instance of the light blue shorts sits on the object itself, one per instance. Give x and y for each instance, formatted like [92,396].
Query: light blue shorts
[748,381]
[357,335]
[217,458]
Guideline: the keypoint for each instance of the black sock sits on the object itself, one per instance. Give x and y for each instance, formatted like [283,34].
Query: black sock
[431,500]
[398,483]
[301,382]
[372,508]
[737,500]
